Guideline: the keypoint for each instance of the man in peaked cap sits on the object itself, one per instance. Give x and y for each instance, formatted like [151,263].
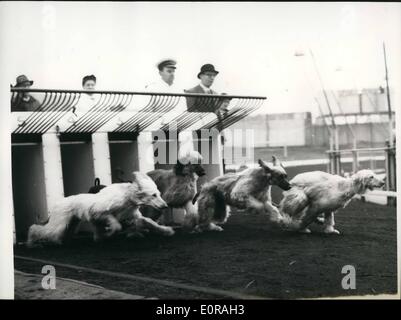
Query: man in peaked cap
[23,100]
[166,69]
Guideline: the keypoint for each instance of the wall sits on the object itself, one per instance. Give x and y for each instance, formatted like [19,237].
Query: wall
[291,129]
[77,164]
[123,156]
[29,192]
[367,133]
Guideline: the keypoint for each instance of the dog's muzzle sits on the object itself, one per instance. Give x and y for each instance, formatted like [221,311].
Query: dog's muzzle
[162,206]
[285,185]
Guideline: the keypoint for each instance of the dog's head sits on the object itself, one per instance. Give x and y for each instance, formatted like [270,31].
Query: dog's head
[367,179]
[189,164]
[276,173]
[146,192]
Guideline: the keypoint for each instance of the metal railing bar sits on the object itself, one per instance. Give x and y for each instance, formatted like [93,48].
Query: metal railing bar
[206,95]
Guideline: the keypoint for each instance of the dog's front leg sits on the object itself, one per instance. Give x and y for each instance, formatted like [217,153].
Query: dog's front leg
[191,215]
[265,208]
[105,227]
[145,222]
[329,223]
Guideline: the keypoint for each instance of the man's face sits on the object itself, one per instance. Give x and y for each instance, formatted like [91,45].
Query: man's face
[167,75]
[207,78]
[25,85]
[89,85]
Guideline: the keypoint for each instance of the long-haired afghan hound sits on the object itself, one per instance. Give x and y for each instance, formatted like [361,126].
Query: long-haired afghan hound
[248,189]
[318,192]
[177,186]
[106,210]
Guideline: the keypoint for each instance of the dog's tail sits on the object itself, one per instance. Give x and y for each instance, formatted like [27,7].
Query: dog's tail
[294,201]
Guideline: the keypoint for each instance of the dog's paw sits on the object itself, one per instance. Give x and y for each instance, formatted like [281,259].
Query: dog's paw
[135,234]
[168,231]
[319,220]
[213,227]
[306,230]
[196,229]
[331,231]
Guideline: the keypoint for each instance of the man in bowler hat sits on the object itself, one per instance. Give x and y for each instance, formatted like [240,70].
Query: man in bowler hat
[206,75]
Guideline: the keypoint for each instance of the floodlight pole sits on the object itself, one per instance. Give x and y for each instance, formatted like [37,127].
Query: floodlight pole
[390,116]
[333,123]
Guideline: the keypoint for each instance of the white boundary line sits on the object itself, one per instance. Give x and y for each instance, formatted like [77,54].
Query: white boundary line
[166,283]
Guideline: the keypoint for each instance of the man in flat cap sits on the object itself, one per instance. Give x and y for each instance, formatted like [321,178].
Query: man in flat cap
[166,69]
[23,100]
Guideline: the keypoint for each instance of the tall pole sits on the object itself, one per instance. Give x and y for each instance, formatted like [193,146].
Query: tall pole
[390,116]
[327,101]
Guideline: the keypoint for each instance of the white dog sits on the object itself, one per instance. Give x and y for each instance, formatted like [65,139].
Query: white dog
[107,210]
[316,192]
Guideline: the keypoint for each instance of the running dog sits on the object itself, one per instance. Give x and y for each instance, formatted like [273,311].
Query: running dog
[248,189]
[177,186]
[318,192]
[108,209]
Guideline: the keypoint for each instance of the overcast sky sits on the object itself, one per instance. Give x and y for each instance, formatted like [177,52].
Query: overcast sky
[251,44]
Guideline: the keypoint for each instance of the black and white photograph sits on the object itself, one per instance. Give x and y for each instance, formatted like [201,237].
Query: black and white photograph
[199,151]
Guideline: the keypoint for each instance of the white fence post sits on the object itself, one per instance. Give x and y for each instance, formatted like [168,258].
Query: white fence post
[52,169]
[101,157]
[145,152]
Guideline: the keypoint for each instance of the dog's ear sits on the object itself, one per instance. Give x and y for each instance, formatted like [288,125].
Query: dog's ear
[361,180]
[276,161]
[136,179]
[264,165]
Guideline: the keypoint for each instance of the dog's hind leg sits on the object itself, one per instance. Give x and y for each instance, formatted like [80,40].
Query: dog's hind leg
[329,223]
[191,215]
[54,231]
[144,222]
[113,225]
[302,221]
[211,208]
[105,227]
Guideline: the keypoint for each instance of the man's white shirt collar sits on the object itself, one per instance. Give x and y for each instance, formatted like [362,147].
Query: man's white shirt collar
[161,86]
[206,89]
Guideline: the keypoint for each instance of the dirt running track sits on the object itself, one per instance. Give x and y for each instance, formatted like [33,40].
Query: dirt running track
[249,257]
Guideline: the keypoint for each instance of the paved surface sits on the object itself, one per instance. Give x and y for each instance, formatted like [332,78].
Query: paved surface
[28,286]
